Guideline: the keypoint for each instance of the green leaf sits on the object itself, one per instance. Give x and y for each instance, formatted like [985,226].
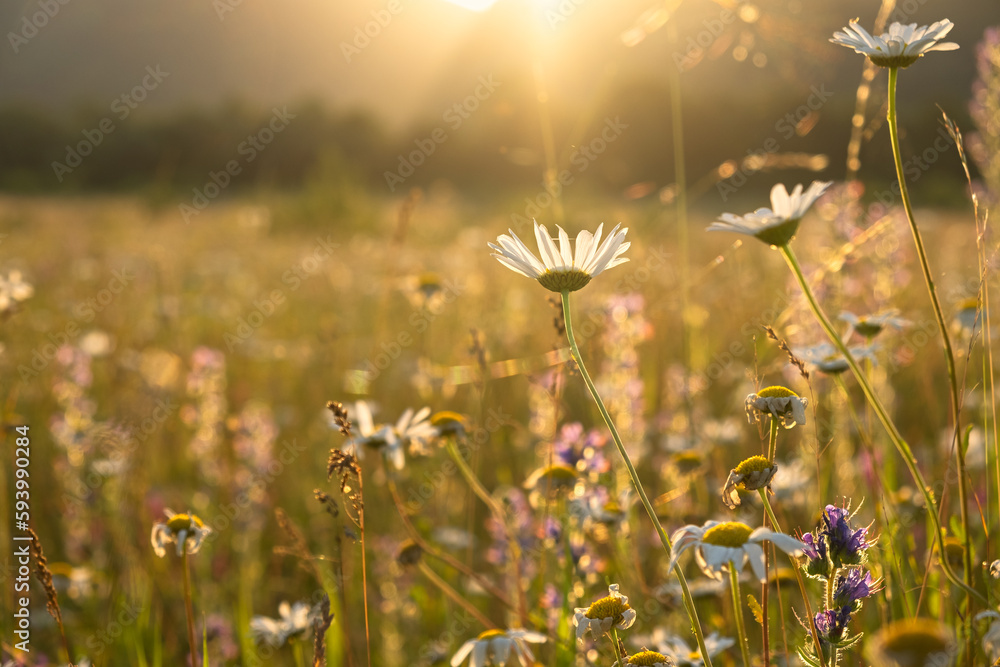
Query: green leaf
[758,613]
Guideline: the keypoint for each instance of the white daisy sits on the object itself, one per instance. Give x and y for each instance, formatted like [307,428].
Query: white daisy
[494,647]
[559,270]
[366,434]
[779,403]
[293,621]
[719,544]
[901,46]
[776,225]
[869,326]
[600,617]
[828,359]
[186,530]
[415,430]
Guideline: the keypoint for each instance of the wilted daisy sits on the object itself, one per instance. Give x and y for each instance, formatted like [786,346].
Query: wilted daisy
[828,359]
[494,647]
[778,224]
[601,616]
[901,46]
[751,474]
[676,648]
[294,621]
[186,530]
[719,544]
[869,326]
[779,403]
[559,269]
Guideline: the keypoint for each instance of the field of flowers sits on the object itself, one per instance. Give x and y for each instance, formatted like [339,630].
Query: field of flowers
[240,444]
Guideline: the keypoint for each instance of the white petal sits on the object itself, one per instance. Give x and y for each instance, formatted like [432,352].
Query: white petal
[546,248]
[565,249]
[479,654]
[755,554]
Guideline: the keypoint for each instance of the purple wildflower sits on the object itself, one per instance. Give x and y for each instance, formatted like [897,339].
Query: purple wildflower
[847,546]
[832,624]
[853,588]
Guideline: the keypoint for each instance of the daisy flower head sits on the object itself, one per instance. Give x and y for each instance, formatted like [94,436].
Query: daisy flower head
[610,611]
[559,270]
[869,326]
[777,225]
[648,659]
[494,647]
[293,622]
[186,530]
[779,403]
[677,649]
[828,359]
[751,474]
[718,545]
[901,46]
[911,641]
[381,437]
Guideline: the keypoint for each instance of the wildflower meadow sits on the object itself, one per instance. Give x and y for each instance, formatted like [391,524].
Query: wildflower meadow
[689,423]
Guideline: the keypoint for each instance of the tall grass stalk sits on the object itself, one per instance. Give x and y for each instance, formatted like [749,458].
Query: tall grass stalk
[949,355]
[692,612]
[880,411]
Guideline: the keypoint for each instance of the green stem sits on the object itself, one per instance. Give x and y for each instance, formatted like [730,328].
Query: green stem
[949,355]
[664,539]
[765,629]
[497,510]
[299,653]
[188,605]
[797,569]
[772,445]
[901,446]
[614,641]
[741,633]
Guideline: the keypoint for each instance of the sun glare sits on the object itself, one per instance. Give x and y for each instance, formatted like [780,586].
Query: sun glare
[474,5]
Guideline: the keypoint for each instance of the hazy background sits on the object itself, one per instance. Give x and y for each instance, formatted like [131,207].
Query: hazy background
[359,103]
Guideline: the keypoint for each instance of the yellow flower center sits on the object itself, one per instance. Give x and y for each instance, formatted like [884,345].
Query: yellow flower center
[608,607]
[776,392]
[729,534]
[559,473]
[490,634]
[972,303]
[567,280]
[447,418]
[647,658]
[687,461]
[179,522]
[753,464]
[694,656]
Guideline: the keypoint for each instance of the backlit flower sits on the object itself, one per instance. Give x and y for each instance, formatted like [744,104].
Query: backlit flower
[559,269]
[13,290]
[186,530]
[869,326]
[828,359]
[901,46]
[719,544]
[494,647]
[610,611]
[294,621]
[677,649]
[648,658]
[754,473]
[779,403]
[778,224]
